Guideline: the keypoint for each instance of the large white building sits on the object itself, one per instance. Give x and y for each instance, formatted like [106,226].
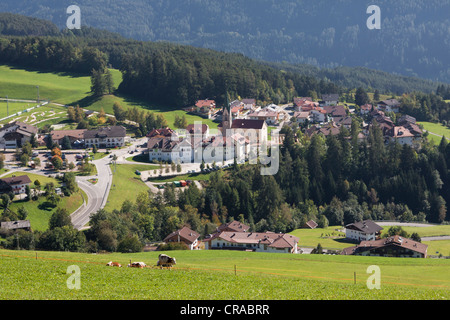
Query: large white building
[105,137]
[366,230]
[253,241]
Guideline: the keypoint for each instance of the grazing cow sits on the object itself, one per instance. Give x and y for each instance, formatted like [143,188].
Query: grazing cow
[137,265]
[166,261]
[114,264]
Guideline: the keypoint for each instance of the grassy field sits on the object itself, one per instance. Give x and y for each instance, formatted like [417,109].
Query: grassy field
[210,275]
[58,87]
[126,184]
[38,213]
[74,90]
[437,129]
[11,108]
[329,238]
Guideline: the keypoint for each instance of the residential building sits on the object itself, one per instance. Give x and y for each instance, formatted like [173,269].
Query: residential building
[233,226]
[366,230]
[16,134]
[319,115]
[270,117]
[252,241]
[168,149]
[394,246]
[391,105]
[401,135]
[14,184]
[186,236]
[366,109]
[329,100]
[249,104]
[336,112]
[302,117]
[73,135]
[105,137]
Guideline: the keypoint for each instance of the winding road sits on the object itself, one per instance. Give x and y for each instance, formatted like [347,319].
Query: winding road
[97,194]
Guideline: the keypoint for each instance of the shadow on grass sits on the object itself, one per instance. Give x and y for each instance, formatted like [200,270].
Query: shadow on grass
[41,71]
[46,206]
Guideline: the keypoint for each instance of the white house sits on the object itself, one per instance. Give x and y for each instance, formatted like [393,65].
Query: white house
[253,241]
[107,137]
[16,134]
[366,230]
[17,185]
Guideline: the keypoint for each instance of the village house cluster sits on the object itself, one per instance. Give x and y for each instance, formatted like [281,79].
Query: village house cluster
[237,236]
[14,135]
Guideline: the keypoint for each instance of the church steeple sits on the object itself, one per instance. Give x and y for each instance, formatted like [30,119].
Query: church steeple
[227,117]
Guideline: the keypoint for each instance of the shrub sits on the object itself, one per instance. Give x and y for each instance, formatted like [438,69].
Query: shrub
[173,246]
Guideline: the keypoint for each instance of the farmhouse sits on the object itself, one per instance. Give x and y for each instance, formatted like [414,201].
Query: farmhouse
[252,241]
[394,246]
[185,235]
[14,184]
[363,231]
[107,137]
[15,135]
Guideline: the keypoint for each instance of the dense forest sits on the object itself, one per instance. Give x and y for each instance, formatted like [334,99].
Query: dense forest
[413,39]
[178,75]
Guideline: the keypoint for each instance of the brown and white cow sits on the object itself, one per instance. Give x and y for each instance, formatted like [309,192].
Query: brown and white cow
[166,261]
[137,265]
[114,264]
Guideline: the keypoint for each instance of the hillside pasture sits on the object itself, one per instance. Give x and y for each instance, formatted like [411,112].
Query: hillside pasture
[220,275]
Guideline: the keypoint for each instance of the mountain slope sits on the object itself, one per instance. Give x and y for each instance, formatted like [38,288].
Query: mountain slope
[414,38]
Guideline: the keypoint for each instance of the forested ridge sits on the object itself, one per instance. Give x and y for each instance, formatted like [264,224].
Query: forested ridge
[177,74]
[413,40]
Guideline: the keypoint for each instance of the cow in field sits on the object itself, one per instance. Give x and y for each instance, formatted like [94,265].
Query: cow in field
[114,264]
[137,265]
[165,261]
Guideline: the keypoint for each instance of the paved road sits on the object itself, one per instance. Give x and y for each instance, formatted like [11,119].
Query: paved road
[98,193]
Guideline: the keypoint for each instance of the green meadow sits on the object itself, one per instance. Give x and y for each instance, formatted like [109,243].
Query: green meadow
[71,89]
[59,87]
[220,275]
[39,212]
[438,129]
[126,184]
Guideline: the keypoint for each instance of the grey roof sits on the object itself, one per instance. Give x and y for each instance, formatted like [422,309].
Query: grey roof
[366,226]
[330,97]
[247,124]
[106,132]
[12,225]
